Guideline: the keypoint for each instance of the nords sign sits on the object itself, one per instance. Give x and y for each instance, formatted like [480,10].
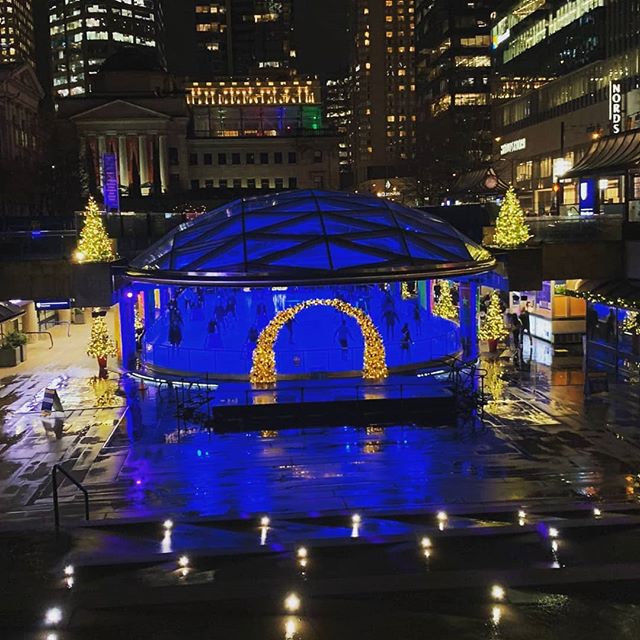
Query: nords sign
[615,107]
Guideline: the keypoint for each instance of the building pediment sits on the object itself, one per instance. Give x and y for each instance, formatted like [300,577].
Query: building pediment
[23,78]
[119,110]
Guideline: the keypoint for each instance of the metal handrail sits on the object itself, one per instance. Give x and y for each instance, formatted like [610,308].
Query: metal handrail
[56,507]
[37,333]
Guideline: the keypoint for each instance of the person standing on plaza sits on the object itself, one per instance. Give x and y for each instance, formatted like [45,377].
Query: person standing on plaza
[525,320]
[516,329]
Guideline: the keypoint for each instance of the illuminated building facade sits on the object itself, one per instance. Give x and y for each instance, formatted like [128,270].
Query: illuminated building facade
[261,37]
[85,33]
[16,32]
[590,45]
[210,39]
[221,138]
[454,58]
[549,38]
[338,115]
[260,134]
[383,90]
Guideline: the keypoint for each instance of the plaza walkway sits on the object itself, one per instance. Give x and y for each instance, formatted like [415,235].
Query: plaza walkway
[541,443]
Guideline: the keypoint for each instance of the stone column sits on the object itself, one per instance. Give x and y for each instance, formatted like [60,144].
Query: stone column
[30,320]
[143,158]
[164,163]
[102,149]
[123,163]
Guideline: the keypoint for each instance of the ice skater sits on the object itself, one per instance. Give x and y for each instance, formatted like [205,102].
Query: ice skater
[342,336]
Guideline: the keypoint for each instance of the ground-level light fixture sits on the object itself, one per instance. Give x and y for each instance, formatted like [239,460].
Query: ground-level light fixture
[302,553]
[69,570]
[497,592]
[264,521]
[53,616]
[553,532]
[168,525]
[597,512]
[356,519]
[183,561]
[425,543]
[292,603]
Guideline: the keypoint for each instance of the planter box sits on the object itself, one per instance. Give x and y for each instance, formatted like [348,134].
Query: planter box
[9,357]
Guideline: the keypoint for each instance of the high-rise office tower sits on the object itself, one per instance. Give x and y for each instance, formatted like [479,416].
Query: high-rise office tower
[241,38]
[383,88]
[16,32]
[86,32]
[338,115]
[453,40]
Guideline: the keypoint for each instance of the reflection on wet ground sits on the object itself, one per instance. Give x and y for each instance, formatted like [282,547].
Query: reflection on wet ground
[541,442]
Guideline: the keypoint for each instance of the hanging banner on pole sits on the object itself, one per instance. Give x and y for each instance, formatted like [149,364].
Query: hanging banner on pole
[110,187]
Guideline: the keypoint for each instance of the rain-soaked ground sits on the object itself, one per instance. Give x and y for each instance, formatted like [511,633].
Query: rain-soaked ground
[542,446]
[541,441]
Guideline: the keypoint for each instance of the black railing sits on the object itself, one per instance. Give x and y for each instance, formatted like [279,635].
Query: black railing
[56,506]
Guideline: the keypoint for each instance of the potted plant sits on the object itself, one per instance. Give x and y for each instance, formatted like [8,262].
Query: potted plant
[19,339]
[10,351]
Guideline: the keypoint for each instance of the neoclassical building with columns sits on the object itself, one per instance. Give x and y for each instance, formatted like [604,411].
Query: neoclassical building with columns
[230,136]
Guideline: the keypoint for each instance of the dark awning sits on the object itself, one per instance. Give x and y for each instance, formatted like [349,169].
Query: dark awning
[9,311]
[620,293]
[480,182]
[609,155]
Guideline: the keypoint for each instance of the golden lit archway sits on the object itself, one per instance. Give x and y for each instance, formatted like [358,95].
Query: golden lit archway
[263,369]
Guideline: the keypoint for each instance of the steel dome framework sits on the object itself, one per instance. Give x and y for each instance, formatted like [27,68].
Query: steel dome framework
[305,237]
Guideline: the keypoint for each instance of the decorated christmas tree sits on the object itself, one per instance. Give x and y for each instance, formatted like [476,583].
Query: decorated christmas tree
[444,306]
[492,327]
[94,244]
[101,346]
[631,323]
[511,228]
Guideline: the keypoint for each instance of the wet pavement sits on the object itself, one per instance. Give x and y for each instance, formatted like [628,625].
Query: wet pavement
[542,447]
[541,442]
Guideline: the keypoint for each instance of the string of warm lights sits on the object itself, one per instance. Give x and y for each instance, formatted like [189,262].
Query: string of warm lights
[492,327]
[444,307]
[263,370]
[94,244]
[598,298]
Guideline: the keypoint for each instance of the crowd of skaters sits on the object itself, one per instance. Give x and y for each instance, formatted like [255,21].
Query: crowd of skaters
[221,317]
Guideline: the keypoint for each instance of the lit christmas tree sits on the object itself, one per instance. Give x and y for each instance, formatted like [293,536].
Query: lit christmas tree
[94,244]
[492,327]
[444,306]
[631,323]
[101,346]
[511,229]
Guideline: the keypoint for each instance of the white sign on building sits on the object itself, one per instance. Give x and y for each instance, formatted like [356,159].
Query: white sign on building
[515,145]
[615,107]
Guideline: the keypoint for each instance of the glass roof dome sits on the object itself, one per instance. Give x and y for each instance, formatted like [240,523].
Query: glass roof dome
[306,237]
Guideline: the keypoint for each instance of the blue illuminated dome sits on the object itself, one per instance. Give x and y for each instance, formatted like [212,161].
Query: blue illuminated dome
[306,237]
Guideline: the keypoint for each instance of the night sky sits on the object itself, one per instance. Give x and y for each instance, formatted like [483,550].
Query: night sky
[322,41]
